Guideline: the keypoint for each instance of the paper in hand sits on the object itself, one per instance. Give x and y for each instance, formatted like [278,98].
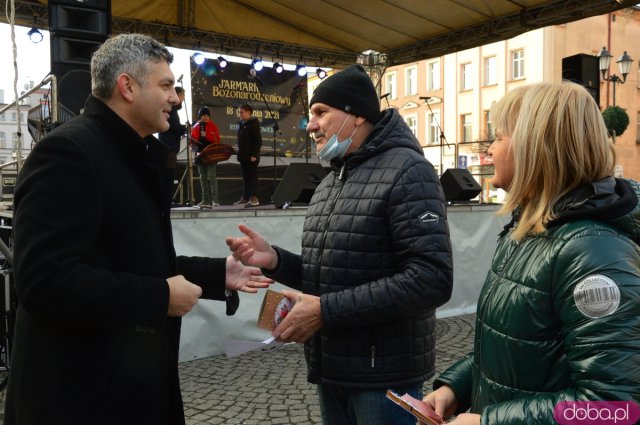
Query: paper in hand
[233,348]
[417,408]
[274,309]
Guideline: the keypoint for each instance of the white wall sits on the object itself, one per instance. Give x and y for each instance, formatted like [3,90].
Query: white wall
[474,230]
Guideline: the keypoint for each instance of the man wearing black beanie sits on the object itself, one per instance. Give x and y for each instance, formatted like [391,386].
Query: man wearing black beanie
[375,263]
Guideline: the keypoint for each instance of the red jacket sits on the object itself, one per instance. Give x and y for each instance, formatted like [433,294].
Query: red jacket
[211,136]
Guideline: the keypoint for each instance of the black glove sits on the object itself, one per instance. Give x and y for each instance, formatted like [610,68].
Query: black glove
[233,302]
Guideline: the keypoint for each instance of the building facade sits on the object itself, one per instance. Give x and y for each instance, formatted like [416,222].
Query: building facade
[15,137]
[12,136]
[447,101]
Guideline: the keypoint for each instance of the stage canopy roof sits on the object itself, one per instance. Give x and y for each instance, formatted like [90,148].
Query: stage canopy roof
[333,33]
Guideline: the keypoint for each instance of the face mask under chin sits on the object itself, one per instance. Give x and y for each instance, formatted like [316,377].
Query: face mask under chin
[334,148]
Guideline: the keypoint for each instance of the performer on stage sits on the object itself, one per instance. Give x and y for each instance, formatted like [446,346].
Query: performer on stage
[203,134]
[249,144]
[171,139]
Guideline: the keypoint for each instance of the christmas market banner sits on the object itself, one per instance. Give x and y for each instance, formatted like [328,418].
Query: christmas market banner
[278,100]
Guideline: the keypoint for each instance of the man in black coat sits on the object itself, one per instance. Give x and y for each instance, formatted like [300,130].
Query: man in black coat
[101,291]
[249,144]
[375,261]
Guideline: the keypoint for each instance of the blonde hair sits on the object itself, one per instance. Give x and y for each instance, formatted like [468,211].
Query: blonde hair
[559,142]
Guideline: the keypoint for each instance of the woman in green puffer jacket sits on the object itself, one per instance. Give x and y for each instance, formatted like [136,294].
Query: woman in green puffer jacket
[558,318]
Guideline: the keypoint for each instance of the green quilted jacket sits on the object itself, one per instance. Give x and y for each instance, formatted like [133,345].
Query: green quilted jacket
[558,317]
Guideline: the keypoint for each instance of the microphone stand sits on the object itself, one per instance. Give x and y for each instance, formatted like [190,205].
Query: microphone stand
[189,170]
[442,138]
[386,97]
[305,111]
[276,127]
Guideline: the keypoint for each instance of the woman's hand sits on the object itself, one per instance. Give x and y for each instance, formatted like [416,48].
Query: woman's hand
[443,400]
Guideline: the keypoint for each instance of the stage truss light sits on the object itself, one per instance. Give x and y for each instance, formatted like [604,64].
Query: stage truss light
[198,58]
[278,68]
[35,35]
[257,64]
[321,73]
[222,62]
[301,69]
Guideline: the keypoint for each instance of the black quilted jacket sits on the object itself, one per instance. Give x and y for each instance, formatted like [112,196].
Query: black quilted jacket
[376,249]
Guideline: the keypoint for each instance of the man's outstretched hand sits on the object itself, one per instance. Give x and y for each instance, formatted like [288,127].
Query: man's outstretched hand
[252,249]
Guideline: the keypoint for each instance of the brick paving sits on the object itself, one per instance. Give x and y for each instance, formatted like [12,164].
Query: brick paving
[271,388]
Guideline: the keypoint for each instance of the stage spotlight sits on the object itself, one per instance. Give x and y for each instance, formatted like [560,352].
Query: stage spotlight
[303,122]
[35,35]
[321,73]
[257,64]
[198,58]
[210,69]
[222,62]
[278,68]
[301,69]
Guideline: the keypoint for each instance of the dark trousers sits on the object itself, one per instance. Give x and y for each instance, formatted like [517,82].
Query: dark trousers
[249,178]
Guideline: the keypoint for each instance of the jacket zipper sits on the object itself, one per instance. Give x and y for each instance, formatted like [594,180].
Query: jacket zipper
[373,356]
[319,266]
[326,230]
[500,275]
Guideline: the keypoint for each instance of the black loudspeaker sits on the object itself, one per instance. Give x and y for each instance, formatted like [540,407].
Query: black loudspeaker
[77,31]
[583,69]
[89,19]
[459,185]
[298,184]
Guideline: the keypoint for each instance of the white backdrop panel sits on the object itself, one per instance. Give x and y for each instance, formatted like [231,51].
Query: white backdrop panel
[474,229]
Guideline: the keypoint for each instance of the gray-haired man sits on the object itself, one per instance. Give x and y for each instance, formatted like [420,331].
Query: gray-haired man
[101,291]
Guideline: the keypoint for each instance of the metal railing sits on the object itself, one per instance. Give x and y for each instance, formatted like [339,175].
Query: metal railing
[53,117]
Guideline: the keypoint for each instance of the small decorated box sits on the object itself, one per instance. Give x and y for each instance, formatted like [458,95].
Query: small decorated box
[275,308]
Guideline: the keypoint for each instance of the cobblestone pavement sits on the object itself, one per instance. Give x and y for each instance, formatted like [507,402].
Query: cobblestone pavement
[271,387]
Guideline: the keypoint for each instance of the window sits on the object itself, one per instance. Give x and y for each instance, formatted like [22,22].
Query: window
[433,133]
[465,121]
[517,64]
[15,139]
[488,126]
[3,140]
[412,122]
[411,81]
[390,85]
[14,117]
[433,75]
[465,77]
[490,71]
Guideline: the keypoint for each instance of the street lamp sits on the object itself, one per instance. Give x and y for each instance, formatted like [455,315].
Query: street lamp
[624,65]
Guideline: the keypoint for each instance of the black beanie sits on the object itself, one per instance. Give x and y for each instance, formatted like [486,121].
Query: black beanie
[350,90]
[203,111]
